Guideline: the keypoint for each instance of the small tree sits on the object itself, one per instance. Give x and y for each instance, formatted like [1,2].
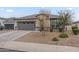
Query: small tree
[42,17]
[42,27]
[65,17]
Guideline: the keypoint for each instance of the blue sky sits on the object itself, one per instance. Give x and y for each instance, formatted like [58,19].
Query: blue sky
[24,11]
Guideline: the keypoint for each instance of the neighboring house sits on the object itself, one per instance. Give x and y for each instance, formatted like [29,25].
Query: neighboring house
[32,23]
[9,23]
[1,21]
[76,23]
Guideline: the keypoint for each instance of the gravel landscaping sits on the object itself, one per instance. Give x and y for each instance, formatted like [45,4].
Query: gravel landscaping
[36,37]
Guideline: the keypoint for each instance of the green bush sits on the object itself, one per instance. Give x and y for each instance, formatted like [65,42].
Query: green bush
[55,39]
[63,35]
[51,30]
[60,29]
[75,31]
[78,30]
[74,27]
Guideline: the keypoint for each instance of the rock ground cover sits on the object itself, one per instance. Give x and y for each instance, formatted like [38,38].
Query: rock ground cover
[36,37]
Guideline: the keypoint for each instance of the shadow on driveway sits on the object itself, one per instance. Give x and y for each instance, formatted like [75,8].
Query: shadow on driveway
[9,50]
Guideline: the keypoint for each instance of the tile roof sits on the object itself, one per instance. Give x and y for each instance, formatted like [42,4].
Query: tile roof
[34,16]
[75,22]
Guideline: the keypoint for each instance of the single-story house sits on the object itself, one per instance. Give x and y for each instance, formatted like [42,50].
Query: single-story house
[30,22]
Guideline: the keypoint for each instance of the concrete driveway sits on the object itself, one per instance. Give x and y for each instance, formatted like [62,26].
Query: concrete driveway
[12,35]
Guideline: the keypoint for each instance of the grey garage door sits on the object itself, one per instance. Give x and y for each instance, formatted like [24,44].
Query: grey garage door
[9,26]
[26,25]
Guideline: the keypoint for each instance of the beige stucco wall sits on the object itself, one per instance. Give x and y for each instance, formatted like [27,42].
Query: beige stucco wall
[15,25]
[69,27]
[46,22]
[37,24]
[78,25]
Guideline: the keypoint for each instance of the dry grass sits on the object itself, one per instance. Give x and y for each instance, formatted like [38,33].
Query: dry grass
[36,37]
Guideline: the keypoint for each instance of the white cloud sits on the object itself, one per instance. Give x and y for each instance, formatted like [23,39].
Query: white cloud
[67,8]
[70,8]
[9,10]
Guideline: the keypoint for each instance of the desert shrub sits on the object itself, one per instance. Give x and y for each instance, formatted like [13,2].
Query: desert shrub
[63,35]
[51,30]
[55,39]
[60,29]
[74,27]
[78,30]
[75,30]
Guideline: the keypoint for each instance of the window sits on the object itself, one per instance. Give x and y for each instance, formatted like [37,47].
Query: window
[54,23]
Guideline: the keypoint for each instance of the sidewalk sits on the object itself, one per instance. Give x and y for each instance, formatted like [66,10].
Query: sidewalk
[35,47]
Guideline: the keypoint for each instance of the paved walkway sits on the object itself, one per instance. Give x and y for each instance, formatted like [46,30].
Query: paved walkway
[35,47]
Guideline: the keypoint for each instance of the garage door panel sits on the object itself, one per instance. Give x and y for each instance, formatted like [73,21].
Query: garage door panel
[26,26]
[9,26]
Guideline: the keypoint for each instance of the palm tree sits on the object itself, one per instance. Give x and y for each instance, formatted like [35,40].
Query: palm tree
[65,17]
